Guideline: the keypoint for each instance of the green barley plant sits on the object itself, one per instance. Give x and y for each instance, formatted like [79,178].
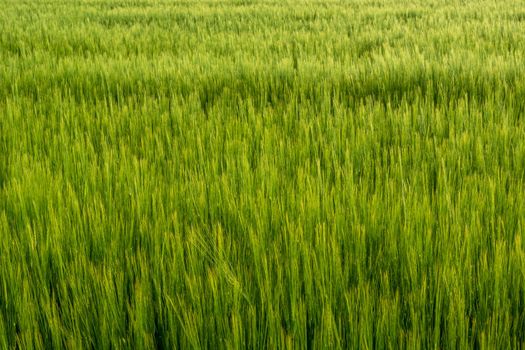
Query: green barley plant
[260,174]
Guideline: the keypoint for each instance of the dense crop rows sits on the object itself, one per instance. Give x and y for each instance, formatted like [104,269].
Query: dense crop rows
[262,174]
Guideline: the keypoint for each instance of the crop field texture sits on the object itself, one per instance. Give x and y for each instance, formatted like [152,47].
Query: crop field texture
[262,174]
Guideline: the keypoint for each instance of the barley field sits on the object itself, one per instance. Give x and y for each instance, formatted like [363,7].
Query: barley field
[237,174]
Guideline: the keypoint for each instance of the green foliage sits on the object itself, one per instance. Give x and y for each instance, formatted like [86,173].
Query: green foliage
[262,174]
